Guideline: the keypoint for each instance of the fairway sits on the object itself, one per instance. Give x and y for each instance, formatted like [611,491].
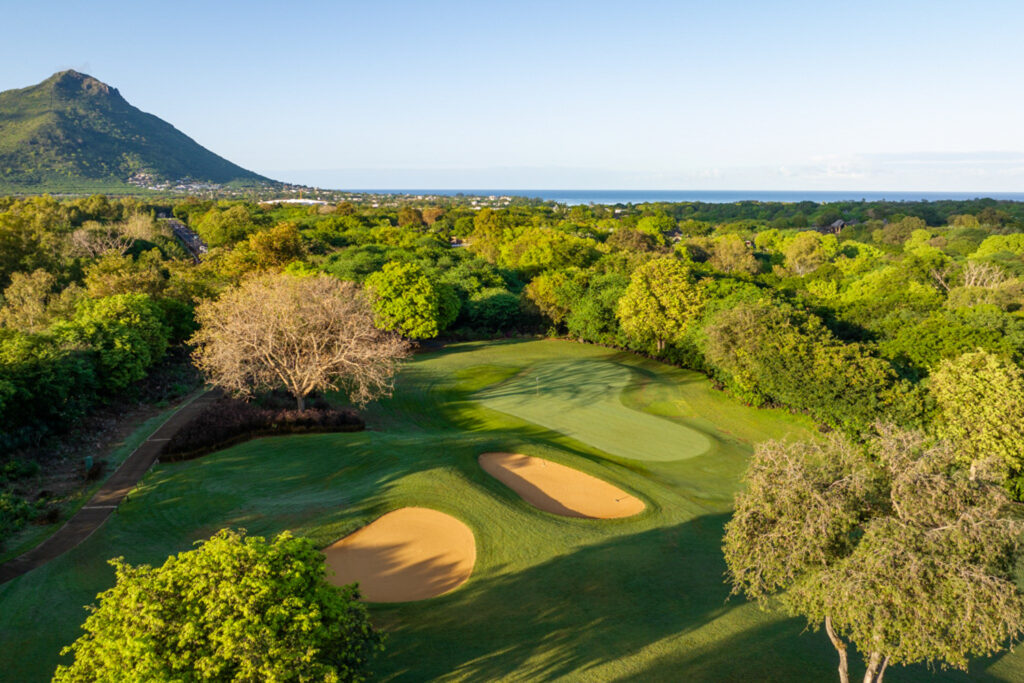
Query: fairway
[583,399]
[548,597]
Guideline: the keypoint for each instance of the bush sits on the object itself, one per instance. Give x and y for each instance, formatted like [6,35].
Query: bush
[15,512]
[230,420]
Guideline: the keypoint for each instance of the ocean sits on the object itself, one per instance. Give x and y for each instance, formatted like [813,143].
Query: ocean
[572,197]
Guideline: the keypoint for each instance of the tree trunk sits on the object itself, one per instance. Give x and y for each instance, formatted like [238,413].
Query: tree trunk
[874,662]
[840,646]
[881,671]
[300,401]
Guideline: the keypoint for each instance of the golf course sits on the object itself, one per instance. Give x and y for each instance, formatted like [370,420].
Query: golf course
[585,547]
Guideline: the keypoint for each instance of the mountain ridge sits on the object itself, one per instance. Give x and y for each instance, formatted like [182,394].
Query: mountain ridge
[74,130]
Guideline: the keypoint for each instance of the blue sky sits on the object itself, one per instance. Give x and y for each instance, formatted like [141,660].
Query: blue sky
[645,95]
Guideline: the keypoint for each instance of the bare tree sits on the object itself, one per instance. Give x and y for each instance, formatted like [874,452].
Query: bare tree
[304,334]
[981,274]
[94,240]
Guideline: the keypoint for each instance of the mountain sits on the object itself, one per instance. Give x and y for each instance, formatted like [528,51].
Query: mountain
[73,132]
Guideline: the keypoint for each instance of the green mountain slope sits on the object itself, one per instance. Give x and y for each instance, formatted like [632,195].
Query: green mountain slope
[74,132]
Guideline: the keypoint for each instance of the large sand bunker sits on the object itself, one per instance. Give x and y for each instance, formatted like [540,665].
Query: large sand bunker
[409,554]
[559,489]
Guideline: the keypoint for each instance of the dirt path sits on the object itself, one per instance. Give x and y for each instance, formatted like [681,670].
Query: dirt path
[91,516]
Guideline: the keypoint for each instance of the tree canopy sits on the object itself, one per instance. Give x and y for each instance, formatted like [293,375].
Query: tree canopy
[890,545]
[236,608]
[407,301]
[303,334]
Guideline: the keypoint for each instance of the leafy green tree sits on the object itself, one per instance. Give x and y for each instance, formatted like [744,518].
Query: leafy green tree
[488,233]
[125,331]
[662,299]
[628,239]
[114,273]
[27,300]
[771,353]
[539,249]
[410,217]
[227,225]
[889,546]
[996,244]
[980,400]
[593,317]
[44,386]
[555,293]
[407,300]
[730,254]
[233,609]
[804,253]
[657,226]
[494,308]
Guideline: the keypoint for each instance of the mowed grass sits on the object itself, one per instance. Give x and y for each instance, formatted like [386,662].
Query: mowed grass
[583,399]
[551,598]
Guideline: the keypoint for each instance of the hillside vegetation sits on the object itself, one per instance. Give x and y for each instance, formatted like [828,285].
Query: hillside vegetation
[74,133]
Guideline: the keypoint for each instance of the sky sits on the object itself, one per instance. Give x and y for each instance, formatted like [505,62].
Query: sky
[759,95]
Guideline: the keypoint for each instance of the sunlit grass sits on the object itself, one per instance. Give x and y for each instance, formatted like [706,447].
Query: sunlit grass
[639,598]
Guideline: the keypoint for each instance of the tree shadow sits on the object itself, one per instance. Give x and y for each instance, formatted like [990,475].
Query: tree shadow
[568,614]
[783,651]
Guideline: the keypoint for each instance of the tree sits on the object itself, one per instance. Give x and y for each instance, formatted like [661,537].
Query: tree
[408,301]
[657,226]
[494,308]
[890,546]
[980,398]
[555,292]
[538,249]
[662,299]
[93,240]
[410,216]
[304,334]
[731,255]
[125,331]
[27,300]
[235,608]
[804,253]
[768,352]
[115,273]
[628,239]
[276,247]
[220,226]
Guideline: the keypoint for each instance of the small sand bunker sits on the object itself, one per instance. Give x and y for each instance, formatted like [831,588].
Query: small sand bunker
[409,554]
[560,489]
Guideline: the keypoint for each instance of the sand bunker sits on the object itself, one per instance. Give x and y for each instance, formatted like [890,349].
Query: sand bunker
[560,489]
[409,554]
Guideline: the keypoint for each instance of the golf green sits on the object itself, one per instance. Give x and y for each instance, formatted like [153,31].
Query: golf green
[550,597]
[583,400]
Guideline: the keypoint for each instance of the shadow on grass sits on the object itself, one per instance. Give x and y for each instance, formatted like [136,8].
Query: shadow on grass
[781,651]
[593,606]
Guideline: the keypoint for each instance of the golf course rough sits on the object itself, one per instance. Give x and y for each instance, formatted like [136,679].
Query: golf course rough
[409,554]
[582,399]
[558,489]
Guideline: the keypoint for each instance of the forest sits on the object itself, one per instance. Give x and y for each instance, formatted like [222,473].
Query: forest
[853,313]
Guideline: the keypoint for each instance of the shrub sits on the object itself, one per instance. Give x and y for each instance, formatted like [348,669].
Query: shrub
[230,420]
[15,512]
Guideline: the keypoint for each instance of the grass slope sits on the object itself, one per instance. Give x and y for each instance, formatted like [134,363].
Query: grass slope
[550,598]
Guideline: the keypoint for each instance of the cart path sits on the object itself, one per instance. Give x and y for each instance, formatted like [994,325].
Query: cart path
[91,516]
